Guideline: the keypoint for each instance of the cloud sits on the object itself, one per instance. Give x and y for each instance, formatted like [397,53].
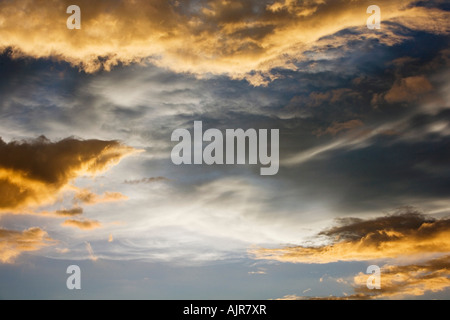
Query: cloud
[243,39]
[397,282]
[408,89]
[84,224]
[259,271]
[76,211]
[409,233]
[338,127]
[87,197]
[302,105]
[13,243]
[34,172]
[92,256]
[71,212]
[146,180]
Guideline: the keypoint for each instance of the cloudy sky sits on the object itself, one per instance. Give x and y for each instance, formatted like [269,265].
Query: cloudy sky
[86,175]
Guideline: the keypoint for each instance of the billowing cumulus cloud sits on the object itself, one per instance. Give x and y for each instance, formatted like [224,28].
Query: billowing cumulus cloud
[13,243]
[244,39]
[406,234]
[34,172]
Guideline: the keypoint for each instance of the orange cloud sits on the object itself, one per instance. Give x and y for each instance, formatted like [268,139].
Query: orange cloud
[408,89]
[408,280]
[13,243]
[70,212]
[84,224]
[243,39]
[407,234]
[398,282]
[59,213]
[87,197]
[34,172]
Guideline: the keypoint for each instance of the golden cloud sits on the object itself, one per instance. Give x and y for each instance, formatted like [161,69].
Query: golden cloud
[84,224]
[398,282]
[400,235]
[13,243]
[408,280]
[87,197]
[33,173]
[70,212]
[418,243]
[408,89]
[244,39]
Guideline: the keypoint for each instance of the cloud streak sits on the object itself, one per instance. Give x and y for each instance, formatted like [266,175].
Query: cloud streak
[146,180]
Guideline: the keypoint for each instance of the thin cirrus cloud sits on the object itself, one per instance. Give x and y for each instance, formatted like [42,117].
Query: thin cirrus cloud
[241,39]
[146,180]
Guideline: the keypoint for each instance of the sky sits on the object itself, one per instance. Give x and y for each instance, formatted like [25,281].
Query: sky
[87,178]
